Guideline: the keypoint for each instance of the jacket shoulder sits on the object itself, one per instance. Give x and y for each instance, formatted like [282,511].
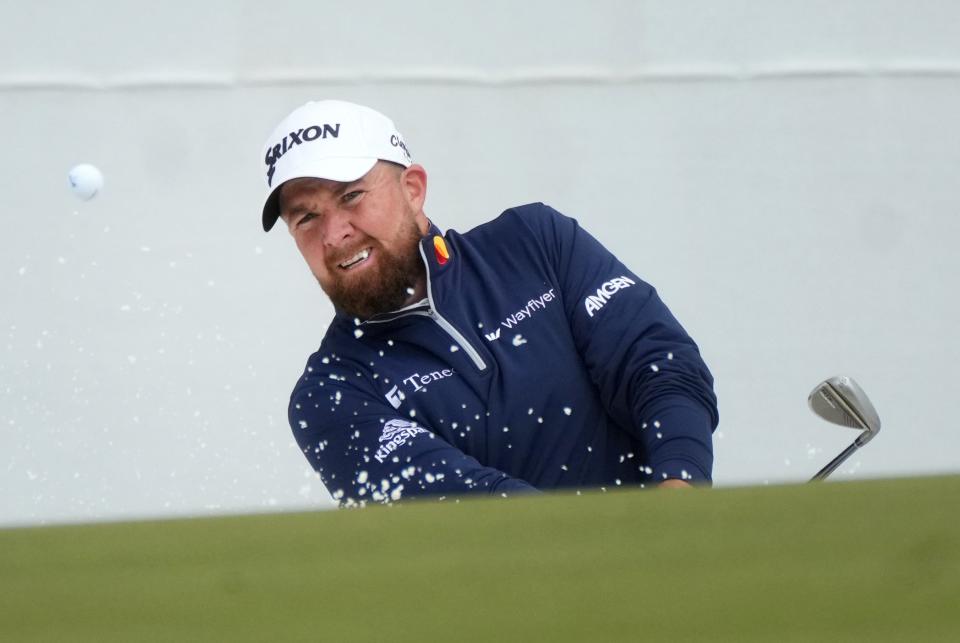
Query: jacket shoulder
[533,214]
[521,222]
[332,360]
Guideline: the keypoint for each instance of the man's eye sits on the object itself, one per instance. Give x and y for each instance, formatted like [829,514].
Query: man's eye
[350,196]
[305,218]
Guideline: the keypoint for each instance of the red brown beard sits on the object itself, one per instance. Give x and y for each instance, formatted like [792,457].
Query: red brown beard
[385,288]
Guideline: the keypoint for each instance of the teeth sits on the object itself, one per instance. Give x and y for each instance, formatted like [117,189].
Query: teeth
[357,258]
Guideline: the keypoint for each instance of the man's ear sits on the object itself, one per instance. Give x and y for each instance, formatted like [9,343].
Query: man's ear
[413,182]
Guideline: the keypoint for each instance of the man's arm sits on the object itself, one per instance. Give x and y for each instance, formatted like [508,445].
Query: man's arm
[648,370]
[365,452]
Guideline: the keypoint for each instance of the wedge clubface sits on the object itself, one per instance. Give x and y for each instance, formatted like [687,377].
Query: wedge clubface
[841,401]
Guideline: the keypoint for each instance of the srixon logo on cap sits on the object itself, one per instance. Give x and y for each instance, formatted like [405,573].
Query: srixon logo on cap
[291,140]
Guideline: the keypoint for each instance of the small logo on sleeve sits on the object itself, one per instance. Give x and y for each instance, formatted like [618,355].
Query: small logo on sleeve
[594,303]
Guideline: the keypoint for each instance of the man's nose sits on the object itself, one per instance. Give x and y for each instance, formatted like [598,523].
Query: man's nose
[336,228]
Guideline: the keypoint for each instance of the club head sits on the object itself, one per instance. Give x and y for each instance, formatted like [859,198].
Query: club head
[840,400]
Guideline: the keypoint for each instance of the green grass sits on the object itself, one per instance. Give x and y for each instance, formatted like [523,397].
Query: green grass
[872,561]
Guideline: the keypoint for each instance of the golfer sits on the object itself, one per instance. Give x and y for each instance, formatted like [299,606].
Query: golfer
[518,356]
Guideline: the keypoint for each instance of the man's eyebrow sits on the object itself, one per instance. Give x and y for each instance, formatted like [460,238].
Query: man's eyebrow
[343,189]
[346,187]
[294,211]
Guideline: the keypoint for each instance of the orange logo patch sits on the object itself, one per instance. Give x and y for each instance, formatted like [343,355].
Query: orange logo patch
[440,247]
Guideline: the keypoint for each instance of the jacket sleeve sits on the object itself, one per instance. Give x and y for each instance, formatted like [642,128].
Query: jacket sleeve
[651,377]
[367,453]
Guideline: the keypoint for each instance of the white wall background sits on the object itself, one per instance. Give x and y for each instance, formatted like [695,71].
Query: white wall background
[784,172]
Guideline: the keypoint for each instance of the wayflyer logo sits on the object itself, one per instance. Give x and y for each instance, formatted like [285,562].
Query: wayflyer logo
[529,309]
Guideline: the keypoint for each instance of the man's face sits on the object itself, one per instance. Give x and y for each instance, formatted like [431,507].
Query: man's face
[361,239]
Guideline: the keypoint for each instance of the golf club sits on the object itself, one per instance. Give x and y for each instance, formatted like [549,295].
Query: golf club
[840,400]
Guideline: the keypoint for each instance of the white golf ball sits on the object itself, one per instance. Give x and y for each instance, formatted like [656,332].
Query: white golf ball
[85,181]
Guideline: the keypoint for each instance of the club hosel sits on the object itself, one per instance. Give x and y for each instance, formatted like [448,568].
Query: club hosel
[864,437]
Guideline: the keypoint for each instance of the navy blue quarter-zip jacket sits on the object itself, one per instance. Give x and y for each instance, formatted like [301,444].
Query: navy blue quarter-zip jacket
[537,361]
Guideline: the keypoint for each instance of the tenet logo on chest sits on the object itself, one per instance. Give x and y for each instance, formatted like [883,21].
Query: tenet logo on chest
[593,303]
[416,383]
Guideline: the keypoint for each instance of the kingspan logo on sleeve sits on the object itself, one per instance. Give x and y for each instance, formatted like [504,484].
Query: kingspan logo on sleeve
[593,303]
[293,139]
[395,434]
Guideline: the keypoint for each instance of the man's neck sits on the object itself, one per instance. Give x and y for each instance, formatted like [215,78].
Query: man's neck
[419,290]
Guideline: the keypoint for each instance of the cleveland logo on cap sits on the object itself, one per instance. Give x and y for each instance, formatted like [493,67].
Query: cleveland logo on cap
[396,141]
[291,140]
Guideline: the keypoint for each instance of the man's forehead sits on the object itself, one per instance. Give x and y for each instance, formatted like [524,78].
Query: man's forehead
[310,183]
[305,183]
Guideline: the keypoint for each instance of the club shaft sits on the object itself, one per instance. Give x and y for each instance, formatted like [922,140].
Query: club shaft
[836,462]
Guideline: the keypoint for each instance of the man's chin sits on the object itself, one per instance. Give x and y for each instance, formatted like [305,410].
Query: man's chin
[382,286]
[362,302]
[365,308]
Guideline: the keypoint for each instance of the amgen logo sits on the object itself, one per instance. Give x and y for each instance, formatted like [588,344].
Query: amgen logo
[593,303]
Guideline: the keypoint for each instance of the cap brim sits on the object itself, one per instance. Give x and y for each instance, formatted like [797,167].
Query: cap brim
[342,170]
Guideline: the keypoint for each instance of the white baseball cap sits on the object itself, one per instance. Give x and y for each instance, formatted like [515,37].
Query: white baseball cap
[328,139]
